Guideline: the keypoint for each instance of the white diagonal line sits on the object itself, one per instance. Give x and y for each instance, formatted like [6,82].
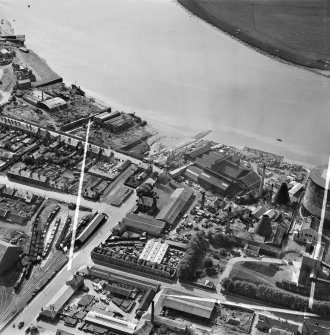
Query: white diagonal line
[76,214]
[320,231]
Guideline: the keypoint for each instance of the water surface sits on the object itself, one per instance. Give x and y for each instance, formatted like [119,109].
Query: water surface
[154,58]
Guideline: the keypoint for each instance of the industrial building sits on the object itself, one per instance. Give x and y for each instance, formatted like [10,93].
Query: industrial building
[24,84]
[221,174]
[191,304]
[308,232]
[139,223]
[107,115]
[9,256]
[313,198]
[58,301]
[91,227]
[154,251]
[198,152]
[176,205]
[107,319]
[118,123]
[53,104]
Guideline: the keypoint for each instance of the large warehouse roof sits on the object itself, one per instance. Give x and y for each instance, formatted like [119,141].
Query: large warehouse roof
[189,305]
[199,151]
[143,223]
[178,200]
[193,172]
[213,181]
[83,236]
[250,179]
[53,103]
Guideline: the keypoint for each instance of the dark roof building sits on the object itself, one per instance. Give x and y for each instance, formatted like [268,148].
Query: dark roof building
[140,223]
[8,256]
[175,205]
[196,307]
[53,104]
[86,233]
[199,151]
[222,174]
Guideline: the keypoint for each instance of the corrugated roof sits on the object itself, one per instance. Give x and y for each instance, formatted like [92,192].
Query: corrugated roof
[214,181]
[143,223]
[175,205]
[193,173]
[90,228]
[199,151]
[195,307]
[53,103]
[250,179]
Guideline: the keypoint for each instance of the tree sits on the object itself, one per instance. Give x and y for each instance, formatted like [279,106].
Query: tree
[195,253]
[227,284]
[208,263]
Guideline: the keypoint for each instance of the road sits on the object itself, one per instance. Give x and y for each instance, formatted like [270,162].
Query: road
[80,258]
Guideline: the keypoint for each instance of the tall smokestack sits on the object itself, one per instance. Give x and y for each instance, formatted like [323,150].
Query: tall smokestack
[261,188]
[42,95]
[152,312]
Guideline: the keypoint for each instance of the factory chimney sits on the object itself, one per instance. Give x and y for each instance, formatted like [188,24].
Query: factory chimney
[282,196]
[203,201]
[42,95]
[152,312]
[261,188]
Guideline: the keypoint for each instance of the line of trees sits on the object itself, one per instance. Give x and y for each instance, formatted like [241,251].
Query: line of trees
[193,257]
[274,296]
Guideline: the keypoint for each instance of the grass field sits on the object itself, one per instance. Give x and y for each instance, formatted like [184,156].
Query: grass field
[259,272]
[296,31]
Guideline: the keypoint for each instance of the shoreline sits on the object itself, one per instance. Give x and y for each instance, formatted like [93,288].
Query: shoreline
[171,131]
[264,48]
[184,132]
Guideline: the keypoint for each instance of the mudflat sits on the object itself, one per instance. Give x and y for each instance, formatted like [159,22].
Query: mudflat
[296,31]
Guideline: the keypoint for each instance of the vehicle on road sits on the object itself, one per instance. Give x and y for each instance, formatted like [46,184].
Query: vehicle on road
[20,325]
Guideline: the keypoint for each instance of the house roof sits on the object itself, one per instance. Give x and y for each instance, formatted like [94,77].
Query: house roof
[178,200]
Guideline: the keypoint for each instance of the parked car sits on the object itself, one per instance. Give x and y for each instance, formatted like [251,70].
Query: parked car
[20,325]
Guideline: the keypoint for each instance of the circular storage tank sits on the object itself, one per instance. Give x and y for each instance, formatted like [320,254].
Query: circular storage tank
[313,198]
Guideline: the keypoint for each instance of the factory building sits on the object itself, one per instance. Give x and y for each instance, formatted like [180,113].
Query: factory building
[139,223]
[107,319]
[58,301]
[176,205]
[91,227]
[192,304]
[154,251]
[53,104]
[118,123]
[221,174]
[107,115]
[313,198]
[8,256]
